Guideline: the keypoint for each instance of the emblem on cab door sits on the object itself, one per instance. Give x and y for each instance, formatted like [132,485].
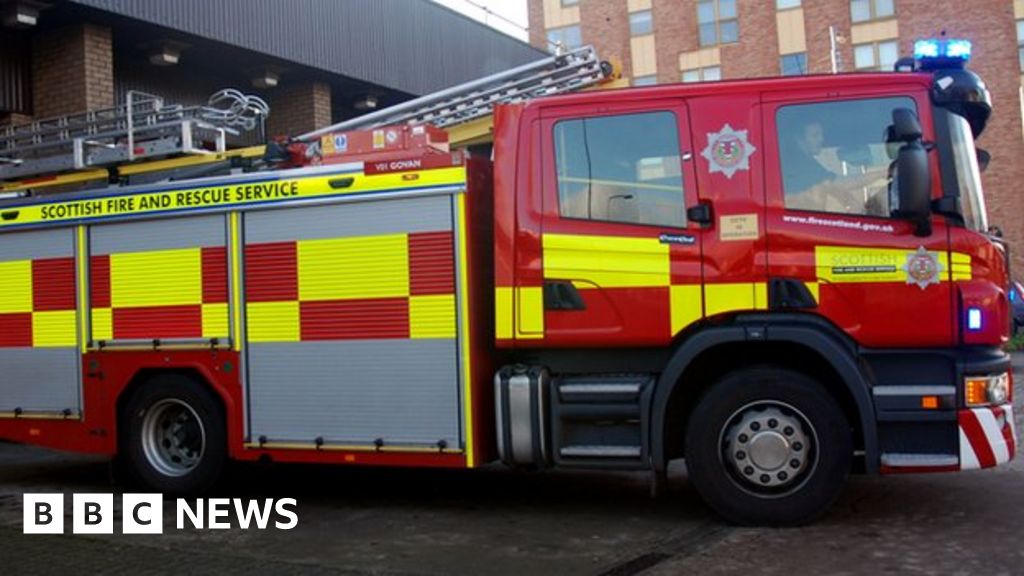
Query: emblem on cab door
[922,268]
[728,151]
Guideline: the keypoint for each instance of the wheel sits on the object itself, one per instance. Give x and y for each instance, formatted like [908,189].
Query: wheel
[767,446]
[173,437]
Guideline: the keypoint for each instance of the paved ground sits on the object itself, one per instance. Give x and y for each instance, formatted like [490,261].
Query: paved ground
[499,522]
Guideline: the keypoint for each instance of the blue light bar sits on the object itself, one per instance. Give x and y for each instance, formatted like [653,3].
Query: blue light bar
[935,49]
[958,49]
[926,49]
[974,319]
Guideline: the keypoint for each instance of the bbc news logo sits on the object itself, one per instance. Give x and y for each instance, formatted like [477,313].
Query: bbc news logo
[144,514]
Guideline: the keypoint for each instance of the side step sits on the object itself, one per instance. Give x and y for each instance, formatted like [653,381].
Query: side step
[589,421]
[597,421]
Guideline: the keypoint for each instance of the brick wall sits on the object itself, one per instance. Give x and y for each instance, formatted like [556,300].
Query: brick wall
[818,16]
[675,31]
[8,118]
[538,35]
[299,107]
[756,54]
[608,22]
[72,70]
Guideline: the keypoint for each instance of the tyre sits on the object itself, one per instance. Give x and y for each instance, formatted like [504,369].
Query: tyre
[173,437]
[767,446]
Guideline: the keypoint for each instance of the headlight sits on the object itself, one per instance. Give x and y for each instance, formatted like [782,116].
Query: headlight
[987,390]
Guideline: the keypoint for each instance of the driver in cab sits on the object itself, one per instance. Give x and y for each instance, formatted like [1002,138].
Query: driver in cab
[809,185]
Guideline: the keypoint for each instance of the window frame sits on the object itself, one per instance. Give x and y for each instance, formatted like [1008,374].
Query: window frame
[773,157]
[650,23]
[717,20]
[551,45]
[875,55]
[872,12]
[549,171]
[700,74]
[1020,41]
[782,67]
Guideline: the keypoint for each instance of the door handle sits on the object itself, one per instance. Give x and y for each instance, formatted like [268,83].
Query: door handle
[562,295]
[701,214]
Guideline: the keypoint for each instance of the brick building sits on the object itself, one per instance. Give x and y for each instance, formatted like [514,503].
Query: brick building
[314,61]
[663,41]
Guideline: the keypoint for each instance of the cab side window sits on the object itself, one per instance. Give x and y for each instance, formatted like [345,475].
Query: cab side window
[623,168]
[836,156]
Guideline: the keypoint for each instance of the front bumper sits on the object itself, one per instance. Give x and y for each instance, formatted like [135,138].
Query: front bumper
[988,436]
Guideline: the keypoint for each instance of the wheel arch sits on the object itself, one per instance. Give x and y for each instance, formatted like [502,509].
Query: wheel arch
[145,375]
[809,345]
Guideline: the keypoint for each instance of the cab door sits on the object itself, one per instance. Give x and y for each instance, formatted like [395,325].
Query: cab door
[833,223]
[621,263]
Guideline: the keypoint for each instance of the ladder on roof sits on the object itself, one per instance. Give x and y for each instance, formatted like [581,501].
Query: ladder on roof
[143,127]
[557,74]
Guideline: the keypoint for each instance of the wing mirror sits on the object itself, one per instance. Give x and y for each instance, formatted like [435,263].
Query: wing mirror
[912,178]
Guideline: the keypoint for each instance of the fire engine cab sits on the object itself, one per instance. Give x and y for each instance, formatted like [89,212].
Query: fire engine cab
[781,280]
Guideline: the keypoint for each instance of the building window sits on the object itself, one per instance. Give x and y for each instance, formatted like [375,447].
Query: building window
[640,23]
[876,56]
[570,3]
[786,4]
[717,23]
[1020,42]
[649,80]
[864,10]
[620,169]
[707,74]
[568,36]
[793,64]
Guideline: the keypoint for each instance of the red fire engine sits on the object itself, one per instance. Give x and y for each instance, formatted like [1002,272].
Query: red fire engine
[780,280]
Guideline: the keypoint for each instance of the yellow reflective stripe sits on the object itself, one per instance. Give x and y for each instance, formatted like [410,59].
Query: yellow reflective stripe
[853,264]
[53,329]
[686,306]
[720,298]
[273,321]
[230,194]
[519,312]
[15,286]
[102,324]
[61,180]
[236,280]
[82,249]
[157,278]
[466,336]
[606,261]
[215,320]
[354,267]
[503,311]
[432,316]
[760,296]
[530,312]
[815,291]
[961,269]
[849,264]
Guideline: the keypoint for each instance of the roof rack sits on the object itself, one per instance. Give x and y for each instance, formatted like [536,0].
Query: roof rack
[143,127]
